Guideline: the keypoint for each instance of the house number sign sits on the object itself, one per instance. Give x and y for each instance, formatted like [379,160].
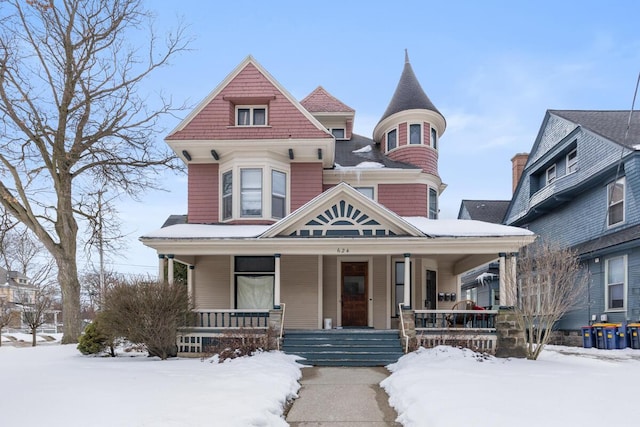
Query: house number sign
[343,250]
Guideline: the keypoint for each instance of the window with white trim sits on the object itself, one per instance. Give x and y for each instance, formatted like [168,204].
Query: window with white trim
[550,174]
[415,134]
[254,282]
[278,194]
[399,286]
[227,195]
[392,139]
[433,204]
[434,138]
[615,282]
[250,192]
[572,161]
[249,115]
[615,202]
[367,191]
[338,133]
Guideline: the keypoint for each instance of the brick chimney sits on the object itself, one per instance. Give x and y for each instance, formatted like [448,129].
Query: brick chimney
[518,162]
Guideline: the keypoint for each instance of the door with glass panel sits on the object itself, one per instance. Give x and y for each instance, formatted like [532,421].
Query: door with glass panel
[354,293]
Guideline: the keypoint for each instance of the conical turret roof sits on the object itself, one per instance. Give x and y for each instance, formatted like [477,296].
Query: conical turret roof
[409,94]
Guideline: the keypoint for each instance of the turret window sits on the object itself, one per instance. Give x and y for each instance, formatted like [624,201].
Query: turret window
[392,139]
[415,134]
[434,138]
[433,204]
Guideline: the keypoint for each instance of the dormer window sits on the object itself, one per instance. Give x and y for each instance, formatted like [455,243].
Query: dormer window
[551,174]
[415,134]
[572,161]
[338,133]
[434,138]
[392,139]
[247,115]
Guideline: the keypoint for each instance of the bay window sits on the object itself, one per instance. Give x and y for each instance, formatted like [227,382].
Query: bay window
[227,195]
[250,192]
[278,194]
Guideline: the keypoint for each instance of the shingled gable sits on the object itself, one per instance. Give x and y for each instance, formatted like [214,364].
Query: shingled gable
[339,206]
[321,101]
[249,83]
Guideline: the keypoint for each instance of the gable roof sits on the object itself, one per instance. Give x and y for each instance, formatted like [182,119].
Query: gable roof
[485,210]
[321,101]
[247,62]
[609,124]
[409,94]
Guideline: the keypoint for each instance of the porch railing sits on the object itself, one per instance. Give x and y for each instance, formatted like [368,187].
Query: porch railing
[447,319]
[231,318]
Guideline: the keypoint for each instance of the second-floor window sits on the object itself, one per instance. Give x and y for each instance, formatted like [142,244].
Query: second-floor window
[392,139]
[572,161]
[338,133]
[227,195]
[278,194]
[434,138]
[415,134]
[615,202]
[367,191]
[433,204]
[250,192]
[551,174]
[251,115]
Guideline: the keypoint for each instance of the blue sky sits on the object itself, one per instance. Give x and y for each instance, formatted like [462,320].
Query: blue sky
[491,67]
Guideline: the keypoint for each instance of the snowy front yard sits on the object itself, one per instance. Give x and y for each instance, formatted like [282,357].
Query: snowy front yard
[443,387]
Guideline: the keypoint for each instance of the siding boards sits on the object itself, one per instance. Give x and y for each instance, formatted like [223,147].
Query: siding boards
[380,300]
[203,191]
[299,289]
[212,276]
[306,183]
[329,288]
[404,199]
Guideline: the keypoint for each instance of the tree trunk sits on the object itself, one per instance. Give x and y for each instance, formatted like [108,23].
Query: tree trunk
[33,336]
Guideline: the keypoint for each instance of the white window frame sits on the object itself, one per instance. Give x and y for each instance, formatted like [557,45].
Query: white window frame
[623,283]
[251,109]
[433,209]
[253,190]
[434,138]
[275,195]
[623,201]
[550,174]
[420,135]
[224,196]
[572,164]
[344,133]
[364,189]
[387,138]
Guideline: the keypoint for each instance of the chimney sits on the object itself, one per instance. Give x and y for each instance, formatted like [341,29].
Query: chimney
[518,163]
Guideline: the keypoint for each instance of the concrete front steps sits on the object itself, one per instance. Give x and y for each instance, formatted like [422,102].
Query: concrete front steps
[344,347]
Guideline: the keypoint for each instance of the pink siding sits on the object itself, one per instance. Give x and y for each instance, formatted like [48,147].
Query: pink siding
[249,87]
[404,199]
[349,130]
[306,183]
[418,155]
[203,193]
[402,134]
[426,130]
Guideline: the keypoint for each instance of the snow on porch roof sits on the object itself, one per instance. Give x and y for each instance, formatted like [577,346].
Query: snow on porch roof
[430,227]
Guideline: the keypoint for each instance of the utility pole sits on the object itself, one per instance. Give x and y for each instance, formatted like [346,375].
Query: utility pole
[101,248]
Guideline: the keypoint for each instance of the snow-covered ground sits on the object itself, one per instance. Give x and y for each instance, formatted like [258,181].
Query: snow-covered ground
[55,385]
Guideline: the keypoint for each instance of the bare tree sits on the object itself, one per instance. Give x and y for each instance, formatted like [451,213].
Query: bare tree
[550,283]
[35,306]
[6,314]
[73,119]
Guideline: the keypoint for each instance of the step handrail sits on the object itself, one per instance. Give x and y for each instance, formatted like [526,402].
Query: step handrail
[404,333]
[281,325]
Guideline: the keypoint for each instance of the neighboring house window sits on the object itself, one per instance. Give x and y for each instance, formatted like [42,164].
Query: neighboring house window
[572,161]
[251,192]
[399,285]
[254,282]
[251,116]
[415,134]
[392,139]
[278,194]
[367,191]
[551,174]
[227,195]
[434,138]
[433,204]
[615,201]
[616,278]
[338,133]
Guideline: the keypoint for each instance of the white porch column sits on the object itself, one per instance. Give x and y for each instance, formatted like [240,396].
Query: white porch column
[512,284]
[407,281]
[276,285]
[190,284]
[170,270]
[503,279]
[160,268]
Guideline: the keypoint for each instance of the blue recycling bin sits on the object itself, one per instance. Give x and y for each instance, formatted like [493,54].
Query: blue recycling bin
[611,337]
[588,338]
[598,337]
[633,333]
[623,336]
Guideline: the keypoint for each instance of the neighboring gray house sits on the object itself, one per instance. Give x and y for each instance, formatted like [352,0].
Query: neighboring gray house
[580,186]
[482,284]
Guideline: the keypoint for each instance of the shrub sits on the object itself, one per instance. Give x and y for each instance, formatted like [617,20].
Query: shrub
[241,342]
[147,313]
[96,339]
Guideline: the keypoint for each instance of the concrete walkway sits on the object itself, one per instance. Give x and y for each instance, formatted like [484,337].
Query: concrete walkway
[342,397]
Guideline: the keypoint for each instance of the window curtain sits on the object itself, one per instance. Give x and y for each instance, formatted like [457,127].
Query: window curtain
[254,292]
